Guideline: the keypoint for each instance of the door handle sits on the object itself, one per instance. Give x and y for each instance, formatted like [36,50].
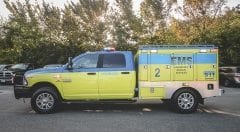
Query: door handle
[91,73]
[124,72]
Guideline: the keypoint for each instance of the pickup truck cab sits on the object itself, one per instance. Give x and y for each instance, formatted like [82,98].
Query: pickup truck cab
[183,75]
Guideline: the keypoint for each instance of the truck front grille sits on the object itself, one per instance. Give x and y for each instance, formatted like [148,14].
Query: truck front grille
[18,80]
[5,75]
[1,75]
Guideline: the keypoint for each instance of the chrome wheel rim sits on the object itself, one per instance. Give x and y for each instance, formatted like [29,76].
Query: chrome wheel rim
[45,101]
[185,101]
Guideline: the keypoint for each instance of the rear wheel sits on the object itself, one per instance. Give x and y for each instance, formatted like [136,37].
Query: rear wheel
[45,100]
[185,101]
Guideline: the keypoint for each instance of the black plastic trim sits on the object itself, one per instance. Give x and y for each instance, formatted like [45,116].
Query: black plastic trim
[21,91]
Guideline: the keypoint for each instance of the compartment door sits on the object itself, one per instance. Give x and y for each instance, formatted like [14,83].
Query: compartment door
[160,67]
[182,67]
[207,68]
[143,67]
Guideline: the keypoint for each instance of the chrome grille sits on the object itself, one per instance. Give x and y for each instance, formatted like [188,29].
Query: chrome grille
[5,75]
[1,75]
[8,75]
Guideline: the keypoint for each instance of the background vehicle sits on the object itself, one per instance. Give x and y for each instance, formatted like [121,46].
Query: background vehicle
[53,66]
[18,71]
[182,75]
[5,75]
[5,67]
[229,75]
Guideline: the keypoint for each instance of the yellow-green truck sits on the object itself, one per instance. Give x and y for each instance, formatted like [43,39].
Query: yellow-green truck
[182,75]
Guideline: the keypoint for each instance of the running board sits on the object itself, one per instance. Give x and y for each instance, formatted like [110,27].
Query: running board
[97,101]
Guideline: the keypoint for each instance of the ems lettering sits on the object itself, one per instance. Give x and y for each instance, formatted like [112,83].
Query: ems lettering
[181,60]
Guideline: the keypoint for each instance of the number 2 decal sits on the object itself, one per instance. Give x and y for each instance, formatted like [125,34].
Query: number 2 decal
[157,72]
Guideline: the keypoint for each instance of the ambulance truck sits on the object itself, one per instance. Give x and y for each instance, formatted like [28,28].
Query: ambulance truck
[183,75]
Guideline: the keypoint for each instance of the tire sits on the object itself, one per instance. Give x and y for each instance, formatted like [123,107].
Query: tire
[185,101]
[45,100]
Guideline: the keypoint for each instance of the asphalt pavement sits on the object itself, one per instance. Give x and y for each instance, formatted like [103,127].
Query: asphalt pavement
[219,114]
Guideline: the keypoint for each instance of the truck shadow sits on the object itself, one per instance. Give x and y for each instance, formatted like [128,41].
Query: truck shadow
[115,108]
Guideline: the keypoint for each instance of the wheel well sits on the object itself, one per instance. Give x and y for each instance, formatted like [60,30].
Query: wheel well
[42,84]
[200,99]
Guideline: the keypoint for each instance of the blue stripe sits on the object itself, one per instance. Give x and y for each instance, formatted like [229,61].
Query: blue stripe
[205,58]
[166,59]
[143,59]
[154,59]
[160,59]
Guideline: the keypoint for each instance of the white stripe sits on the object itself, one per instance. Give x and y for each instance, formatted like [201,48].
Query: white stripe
[210,110]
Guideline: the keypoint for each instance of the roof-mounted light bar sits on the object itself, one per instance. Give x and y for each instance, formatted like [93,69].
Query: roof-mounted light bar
[109,49]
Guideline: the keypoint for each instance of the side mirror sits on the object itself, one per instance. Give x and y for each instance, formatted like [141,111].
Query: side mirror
[70,63]
[5,69]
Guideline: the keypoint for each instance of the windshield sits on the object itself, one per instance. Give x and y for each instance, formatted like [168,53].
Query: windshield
[20,66]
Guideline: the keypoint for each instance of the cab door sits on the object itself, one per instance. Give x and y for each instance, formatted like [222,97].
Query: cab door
[115,80]
[82,81]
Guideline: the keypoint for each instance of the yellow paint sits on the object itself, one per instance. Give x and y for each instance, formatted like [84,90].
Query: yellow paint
[81,86]
[151,93]
[115,85]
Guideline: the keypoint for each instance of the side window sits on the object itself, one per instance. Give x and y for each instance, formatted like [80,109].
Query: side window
[87,61]
[229,70]
[114,61]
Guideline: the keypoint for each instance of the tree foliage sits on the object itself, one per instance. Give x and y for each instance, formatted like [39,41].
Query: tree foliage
[42,33]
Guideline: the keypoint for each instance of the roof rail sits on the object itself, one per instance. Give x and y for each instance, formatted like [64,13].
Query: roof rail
[177,46]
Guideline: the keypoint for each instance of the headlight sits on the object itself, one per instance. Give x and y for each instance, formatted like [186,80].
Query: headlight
[13,77]
[25,83]
[28,75]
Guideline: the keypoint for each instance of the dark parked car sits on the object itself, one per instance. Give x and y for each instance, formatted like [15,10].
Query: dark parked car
[229,76]
[5,75]
[18,71]
[4,67]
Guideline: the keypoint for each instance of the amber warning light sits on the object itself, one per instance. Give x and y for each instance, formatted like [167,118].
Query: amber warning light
[214,50]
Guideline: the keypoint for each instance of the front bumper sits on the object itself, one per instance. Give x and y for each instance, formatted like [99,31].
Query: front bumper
[9,80]
[21,91]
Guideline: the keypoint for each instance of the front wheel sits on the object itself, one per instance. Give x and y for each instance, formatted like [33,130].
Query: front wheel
[44,100]
[185,101]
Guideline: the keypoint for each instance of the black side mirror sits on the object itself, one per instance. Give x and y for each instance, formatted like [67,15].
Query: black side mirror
[70,63]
